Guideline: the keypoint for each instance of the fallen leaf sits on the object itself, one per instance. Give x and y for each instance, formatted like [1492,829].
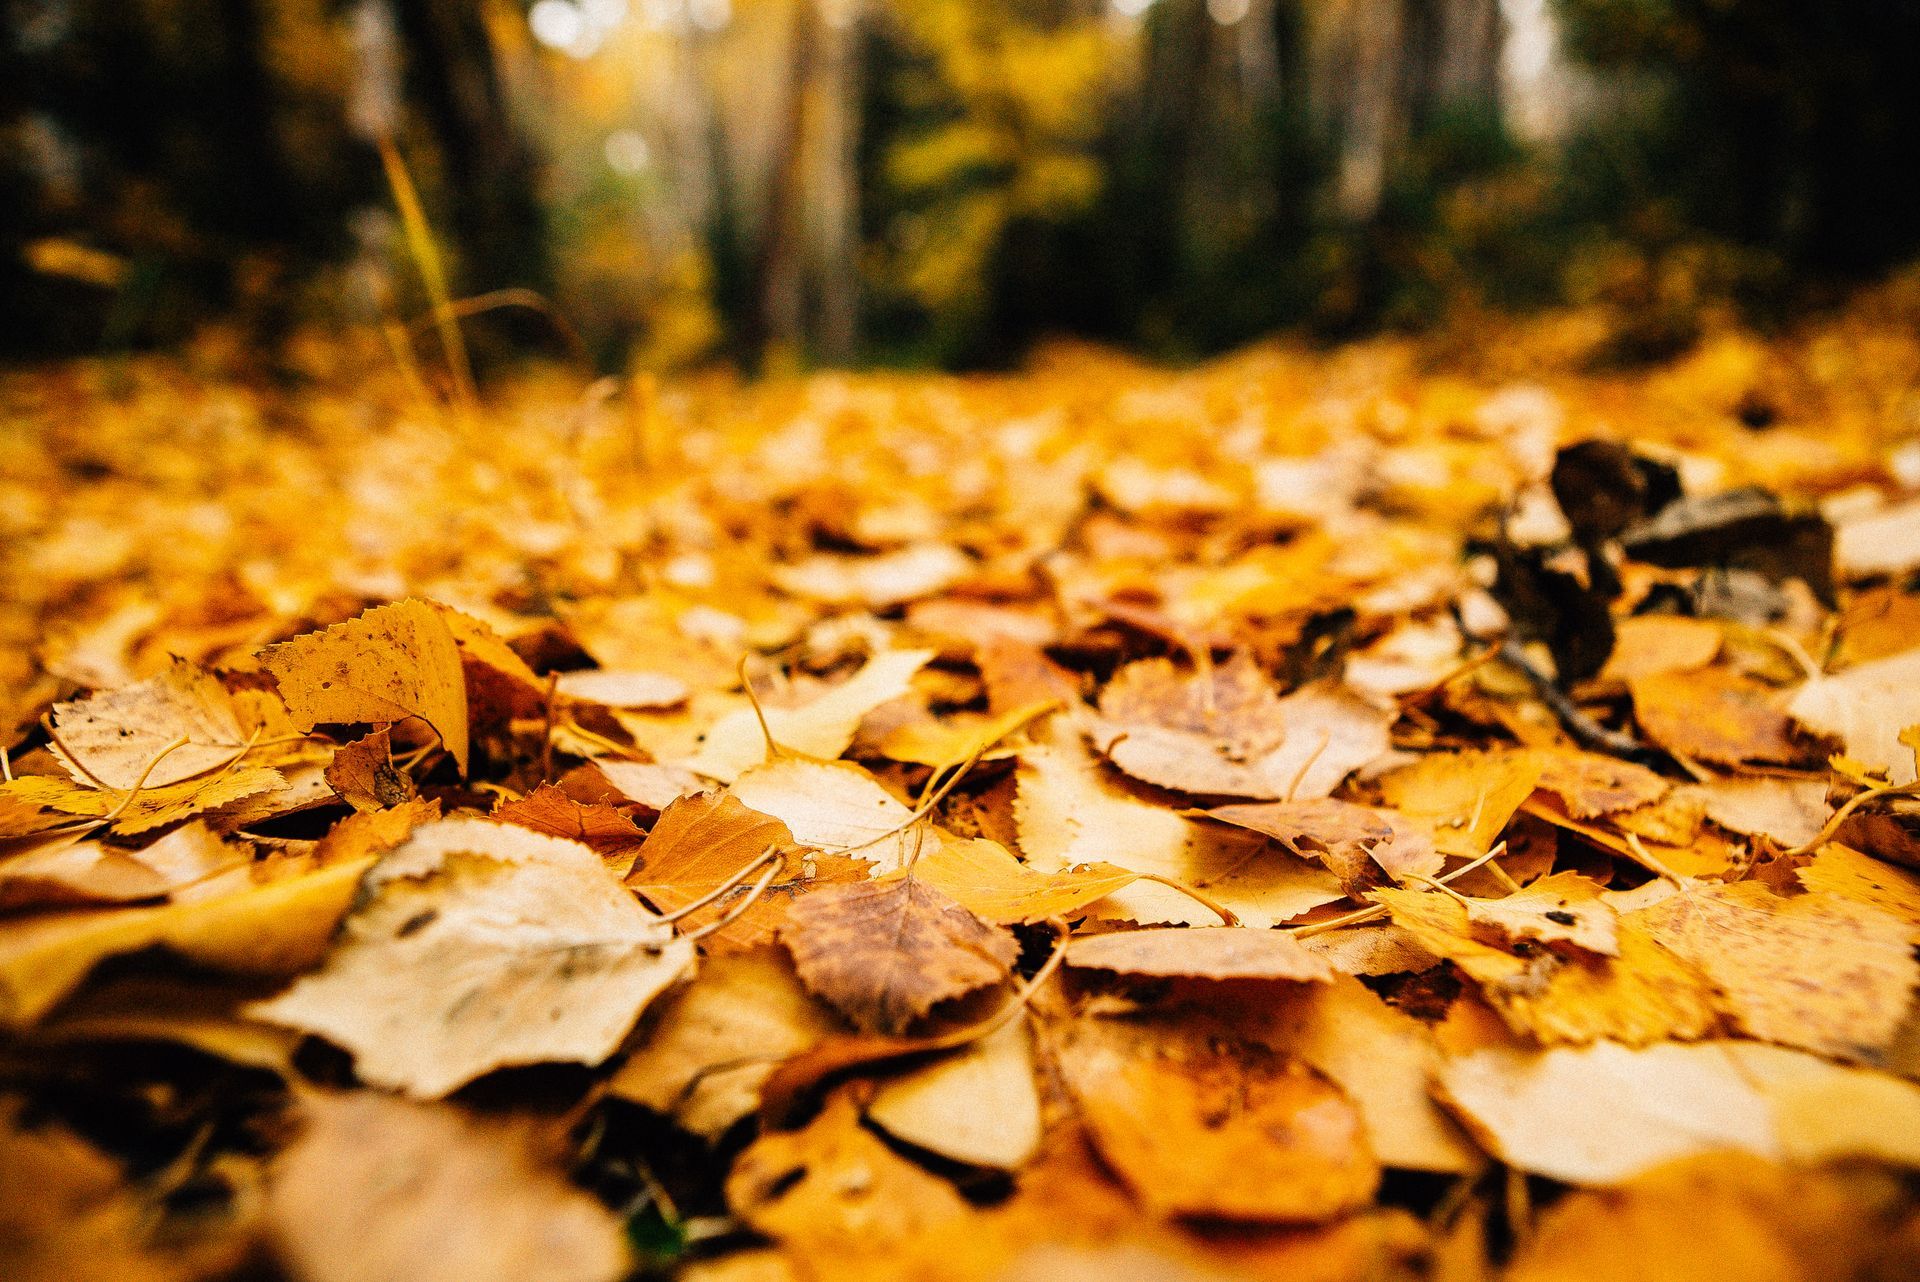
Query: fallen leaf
[1358,844]
[1649,645]
[1565,908]
[606,829]
[389,664]
[1606,1113]
[623,689]
[277,928]
[1717,716]
[1866,707]
[885,953]
[1816,971]
[890,578]
[1227,733]
[114,736]
[363,775]
[702,1058]
[832,806]
[1382,1058]
[69,1215]
[377,1188]
[1744,1218]
[1070,812]
[1467,797]
[978,1105]
[982,877]
[479,945]
[1222,1131]
[1219,952]
[822,727]
[835,1193]
[1643,994]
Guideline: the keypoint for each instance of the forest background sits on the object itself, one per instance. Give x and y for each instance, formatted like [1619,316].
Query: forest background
[785,183]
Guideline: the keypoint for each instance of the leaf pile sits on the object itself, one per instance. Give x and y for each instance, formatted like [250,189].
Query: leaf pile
[1306,816]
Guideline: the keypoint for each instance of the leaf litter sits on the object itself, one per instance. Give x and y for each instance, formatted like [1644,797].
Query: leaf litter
[1272,819]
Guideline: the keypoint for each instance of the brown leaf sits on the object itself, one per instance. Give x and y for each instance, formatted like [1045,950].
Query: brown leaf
[363,774]
[611,834]
[885,953]
[1227,1131]
[1360,845]
[1218,952]
[1717,715]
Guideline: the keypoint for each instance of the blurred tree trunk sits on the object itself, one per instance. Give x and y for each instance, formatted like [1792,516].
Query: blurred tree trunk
[489,171]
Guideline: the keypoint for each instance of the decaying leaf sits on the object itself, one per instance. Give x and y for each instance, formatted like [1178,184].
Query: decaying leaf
[479,945]
[1759,949]
[1221,1131]
[884,953]
[1220,952]
[389,664]
[362,773]
[378,1188]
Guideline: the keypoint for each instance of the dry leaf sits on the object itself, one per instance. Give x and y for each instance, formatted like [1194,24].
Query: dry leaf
[1227,732]
[1358,844]
[391,663]
[1605,1113]
[1865,708]
[1565,908]
[821,727]
[832,806]
[885,953]
[1717,716]
[702,1058]
[611,834]
[623,689]
[479,945]
[1221,952]
[378,1188]
[114,736]
[362,773]
[1467,797]
[277,928]
[1641,995]
[1815,971]
[982,877]
[1072,812]
[978,1105]
[1382,1058]
[1200,1128]
[836,1195]
[69,1215]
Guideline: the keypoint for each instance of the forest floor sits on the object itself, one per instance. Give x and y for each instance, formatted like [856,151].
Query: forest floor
[1395,811]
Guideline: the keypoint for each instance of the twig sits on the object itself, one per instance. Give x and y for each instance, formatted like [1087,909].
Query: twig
[1587,732]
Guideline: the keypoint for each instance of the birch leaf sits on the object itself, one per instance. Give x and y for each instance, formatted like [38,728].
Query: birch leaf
[479,945]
